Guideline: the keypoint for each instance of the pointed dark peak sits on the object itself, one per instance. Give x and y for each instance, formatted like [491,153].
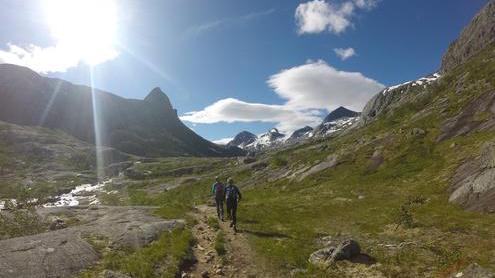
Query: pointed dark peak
[246,133]
[340,113]
[242,139]
[157,98]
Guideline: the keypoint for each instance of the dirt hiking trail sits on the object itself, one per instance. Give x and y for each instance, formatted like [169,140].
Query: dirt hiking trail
[238,261]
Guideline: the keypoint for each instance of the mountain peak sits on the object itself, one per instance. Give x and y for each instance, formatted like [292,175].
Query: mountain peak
[339,113]
[243,139]
[157,98]
[157,95]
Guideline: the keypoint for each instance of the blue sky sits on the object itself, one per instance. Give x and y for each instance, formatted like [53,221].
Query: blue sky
[255,64]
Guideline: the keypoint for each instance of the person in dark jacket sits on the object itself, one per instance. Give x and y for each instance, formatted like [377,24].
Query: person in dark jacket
[232,198]
[218,190]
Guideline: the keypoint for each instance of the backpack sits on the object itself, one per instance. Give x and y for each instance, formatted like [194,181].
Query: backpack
[231,192]
[219,190]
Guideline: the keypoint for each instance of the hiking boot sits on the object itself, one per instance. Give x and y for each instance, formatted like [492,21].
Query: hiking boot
[231,224]
[235,229]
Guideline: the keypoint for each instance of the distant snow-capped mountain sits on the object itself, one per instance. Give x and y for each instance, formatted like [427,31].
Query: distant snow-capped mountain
[243,139]
[300,134]
[339,119]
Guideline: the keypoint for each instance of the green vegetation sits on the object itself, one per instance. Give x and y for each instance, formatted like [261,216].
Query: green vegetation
[213,223]
[20,218]
[220,244]
[162,258]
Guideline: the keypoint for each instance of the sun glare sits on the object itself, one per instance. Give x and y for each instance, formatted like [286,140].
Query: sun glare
[87,27]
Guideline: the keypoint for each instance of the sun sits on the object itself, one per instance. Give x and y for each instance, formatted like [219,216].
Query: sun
[87,27]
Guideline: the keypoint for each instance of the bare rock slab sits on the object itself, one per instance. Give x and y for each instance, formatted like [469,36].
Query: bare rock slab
[64,252]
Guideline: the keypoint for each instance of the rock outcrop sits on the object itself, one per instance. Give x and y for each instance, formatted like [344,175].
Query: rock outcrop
[64,252]
[479,34]
[472,185]
[468,120]
[395,96]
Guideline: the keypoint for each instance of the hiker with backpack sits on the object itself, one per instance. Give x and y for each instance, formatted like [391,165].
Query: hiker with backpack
[232,198]
[218,190]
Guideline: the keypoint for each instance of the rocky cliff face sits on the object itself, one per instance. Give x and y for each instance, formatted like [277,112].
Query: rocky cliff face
[395,96]
[476,36]
[148,127]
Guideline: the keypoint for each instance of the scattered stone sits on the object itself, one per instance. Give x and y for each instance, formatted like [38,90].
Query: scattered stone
[205,274]
[112,274]
[297,272]
[219,271]
[474,271]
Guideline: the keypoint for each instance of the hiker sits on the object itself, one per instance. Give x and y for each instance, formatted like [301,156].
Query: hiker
[233,196]
[218,190]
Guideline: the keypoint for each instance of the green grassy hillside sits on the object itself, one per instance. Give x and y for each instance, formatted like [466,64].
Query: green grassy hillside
[397,210]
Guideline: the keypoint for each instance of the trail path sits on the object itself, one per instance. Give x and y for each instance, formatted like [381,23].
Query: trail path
[239,260]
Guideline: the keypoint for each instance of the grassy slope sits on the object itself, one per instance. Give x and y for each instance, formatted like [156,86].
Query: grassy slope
[283,218]
[293,214]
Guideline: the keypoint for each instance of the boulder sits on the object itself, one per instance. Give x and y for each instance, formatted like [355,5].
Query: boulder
[418,132]
[57,224]
[346,249]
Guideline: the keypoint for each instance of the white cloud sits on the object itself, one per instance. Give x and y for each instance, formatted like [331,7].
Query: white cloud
[232,110]
[319,15]
[306,89]
[317,85]
[366,4]
[345,53]
[223,141]
[58,58]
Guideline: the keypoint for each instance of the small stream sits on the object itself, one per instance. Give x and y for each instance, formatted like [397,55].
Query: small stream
[84,194]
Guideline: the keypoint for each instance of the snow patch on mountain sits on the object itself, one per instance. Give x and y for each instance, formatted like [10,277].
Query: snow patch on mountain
[423,81]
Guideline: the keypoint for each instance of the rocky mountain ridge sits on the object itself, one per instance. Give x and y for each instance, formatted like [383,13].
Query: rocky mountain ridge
[479,34]
[148,127]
